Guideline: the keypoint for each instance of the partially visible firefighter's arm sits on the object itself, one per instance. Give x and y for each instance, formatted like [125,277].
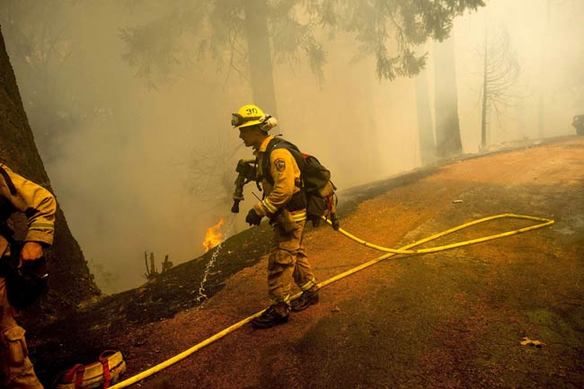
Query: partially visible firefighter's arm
[247,171]
[39,206]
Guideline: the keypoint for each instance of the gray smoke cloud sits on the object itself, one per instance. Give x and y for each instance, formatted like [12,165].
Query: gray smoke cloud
[141,168]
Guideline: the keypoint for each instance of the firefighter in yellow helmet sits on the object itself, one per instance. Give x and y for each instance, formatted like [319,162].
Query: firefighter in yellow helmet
[284,204]
[39,206]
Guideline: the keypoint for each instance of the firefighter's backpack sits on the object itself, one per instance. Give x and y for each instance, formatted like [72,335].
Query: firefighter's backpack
[101,374]
[321,199]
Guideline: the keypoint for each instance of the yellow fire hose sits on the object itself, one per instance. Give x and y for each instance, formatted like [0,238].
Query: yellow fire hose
[405,250]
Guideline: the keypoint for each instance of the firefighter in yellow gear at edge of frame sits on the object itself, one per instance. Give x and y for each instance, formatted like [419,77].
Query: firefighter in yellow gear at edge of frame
[39,205]
[285,205]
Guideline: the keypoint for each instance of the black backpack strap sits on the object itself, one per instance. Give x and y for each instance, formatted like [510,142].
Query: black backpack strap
[279,143]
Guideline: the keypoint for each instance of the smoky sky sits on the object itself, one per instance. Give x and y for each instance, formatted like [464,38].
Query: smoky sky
[149,167]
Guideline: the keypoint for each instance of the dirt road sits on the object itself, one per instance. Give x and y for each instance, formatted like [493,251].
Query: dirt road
[450,319]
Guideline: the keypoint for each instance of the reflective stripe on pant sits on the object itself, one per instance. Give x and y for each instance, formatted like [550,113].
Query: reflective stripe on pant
[287,261]
[16,370]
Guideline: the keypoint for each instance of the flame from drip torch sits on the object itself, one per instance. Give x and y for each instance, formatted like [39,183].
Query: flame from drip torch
[214,236]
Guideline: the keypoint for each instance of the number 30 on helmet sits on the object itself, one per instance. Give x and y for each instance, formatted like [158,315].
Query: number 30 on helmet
[251,115]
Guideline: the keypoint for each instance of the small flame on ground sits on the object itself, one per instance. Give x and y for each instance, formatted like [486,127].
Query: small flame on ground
[214,236]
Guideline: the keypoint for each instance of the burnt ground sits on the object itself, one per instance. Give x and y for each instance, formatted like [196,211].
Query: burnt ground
[449,319]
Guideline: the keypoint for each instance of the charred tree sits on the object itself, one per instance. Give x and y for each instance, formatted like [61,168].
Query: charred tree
[484,96]
[70,280]
[231,34]
[448,141]
[425,128]
[390,32]
[38,45]
[543,75]
[500,73]
[260,55]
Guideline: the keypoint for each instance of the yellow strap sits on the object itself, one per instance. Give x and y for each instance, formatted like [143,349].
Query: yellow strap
[389,252]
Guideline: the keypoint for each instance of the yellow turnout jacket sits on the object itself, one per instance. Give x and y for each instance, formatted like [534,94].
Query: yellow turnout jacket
[286,175]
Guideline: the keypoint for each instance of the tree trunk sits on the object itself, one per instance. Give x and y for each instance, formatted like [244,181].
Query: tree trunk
[70,280]
[260,55]
[446,101]
[543,76]
[425,128]
[484,100]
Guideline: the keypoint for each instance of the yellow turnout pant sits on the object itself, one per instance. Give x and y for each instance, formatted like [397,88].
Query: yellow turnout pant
[16,370]
[288,261]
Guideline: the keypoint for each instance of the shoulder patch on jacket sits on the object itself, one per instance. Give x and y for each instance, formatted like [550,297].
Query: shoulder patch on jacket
[280,164]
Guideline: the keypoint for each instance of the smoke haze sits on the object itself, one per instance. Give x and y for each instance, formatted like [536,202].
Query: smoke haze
[139,166]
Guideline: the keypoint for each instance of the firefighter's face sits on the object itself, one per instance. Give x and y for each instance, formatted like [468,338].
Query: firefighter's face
[251,136]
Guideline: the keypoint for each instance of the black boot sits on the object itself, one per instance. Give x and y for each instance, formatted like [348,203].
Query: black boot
[274,315]
[305,300]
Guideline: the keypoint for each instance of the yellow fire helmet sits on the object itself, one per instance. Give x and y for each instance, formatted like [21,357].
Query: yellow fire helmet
[250,115]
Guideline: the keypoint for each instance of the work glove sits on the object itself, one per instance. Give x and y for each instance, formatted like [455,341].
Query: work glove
[31,251]
[252,218]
